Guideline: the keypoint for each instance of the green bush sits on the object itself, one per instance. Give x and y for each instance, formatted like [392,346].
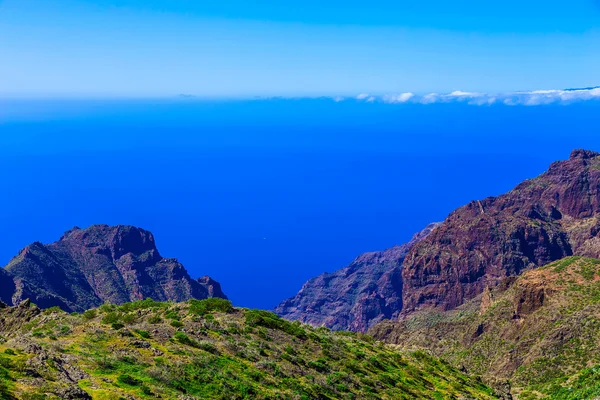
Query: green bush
[185,339]
[154,319]
[128,380]
[89,314]
[52,310]
[107,307]
[9,352]
[110,318]
[142,333]
[5,362]
[272,321]
[176,324]
[172,314]
[203,307]
[319,365]
[141,305]
[208,347]
[128,318]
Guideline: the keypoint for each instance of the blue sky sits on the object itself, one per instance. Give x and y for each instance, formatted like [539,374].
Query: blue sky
[289,48]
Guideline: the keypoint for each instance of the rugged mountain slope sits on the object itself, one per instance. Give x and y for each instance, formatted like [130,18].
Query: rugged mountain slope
[7,287]
[213,287]
[88,267]
[541,220]
[207,350]
[540,332]
[357,297]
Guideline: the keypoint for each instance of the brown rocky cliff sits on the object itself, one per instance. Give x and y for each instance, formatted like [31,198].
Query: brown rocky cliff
[212,287]
[541,220]
[88,267]
[356,297]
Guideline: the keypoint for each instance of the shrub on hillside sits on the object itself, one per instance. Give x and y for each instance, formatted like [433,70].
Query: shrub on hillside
[269,320]
[203,307]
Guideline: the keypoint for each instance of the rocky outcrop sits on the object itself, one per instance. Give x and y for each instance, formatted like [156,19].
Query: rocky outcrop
[541,220]
[212,287]
[530,296]
[356,297]
[88,267]
[538,330]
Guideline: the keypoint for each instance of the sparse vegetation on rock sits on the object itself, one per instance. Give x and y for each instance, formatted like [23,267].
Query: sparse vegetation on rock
[538,334]
[216,352]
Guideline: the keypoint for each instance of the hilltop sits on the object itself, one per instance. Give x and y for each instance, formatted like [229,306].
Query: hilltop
[206,350]
[538,334]
[88,267]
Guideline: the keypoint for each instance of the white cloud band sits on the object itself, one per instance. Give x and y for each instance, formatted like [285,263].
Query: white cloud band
[531,98]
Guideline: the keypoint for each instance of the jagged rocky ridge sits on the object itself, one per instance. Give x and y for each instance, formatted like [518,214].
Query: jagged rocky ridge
[356,297]
[541,220]
[478,245]
[88,267]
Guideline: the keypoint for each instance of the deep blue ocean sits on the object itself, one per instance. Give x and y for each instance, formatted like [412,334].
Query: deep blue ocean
[264,194]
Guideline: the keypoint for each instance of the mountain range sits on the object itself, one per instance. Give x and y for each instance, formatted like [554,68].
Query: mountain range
[506,288]
[541,220]
[356,297]
[101,264]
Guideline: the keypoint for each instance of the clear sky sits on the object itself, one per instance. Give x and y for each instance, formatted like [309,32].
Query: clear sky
[240,48]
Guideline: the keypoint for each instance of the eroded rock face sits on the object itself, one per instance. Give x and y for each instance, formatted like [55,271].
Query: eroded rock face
[356,297]
[530,296]
[213,287]
[88,267]
[7,287]
[478,245]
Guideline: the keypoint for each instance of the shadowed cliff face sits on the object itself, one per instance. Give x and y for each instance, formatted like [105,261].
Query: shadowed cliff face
[540,221]
[88,267]
[213,287]
[356,297]
[7,287]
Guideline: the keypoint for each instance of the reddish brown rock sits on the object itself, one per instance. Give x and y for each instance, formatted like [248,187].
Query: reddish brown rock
[541,220]
[530,296]
[356,297]
[212,287]
[88,267]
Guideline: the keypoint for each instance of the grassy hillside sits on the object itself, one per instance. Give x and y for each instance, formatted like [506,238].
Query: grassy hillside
[538,334]
[206,350]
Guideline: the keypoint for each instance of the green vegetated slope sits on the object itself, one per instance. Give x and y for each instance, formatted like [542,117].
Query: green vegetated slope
[207,350]
[537,336]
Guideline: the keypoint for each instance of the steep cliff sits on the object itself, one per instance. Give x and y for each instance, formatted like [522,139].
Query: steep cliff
[88,267]
[356,297]
[541,220]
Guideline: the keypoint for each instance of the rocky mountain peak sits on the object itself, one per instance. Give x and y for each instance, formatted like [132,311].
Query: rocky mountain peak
[542,220]
[88,267]
[118,240]
[213,287]
[583,154]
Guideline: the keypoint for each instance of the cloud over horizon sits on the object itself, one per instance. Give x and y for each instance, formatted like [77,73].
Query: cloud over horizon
[524,98]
